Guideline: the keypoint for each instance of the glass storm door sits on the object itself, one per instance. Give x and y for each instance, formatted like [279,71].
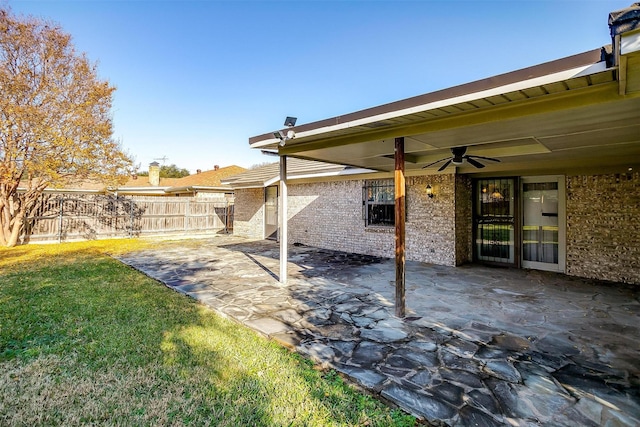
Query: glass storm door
[495,220]
[270,212]
[543,223]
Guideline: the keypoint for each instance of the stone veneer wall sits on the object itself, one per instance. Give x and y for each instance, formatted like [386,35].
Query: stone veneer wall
[603,227]
[248,216]
[329,215]
[430,228]
[464,219]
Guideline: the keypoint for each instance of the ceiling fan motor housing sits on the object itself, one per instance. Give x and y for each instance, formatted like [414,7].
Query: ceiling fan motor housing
[458,155]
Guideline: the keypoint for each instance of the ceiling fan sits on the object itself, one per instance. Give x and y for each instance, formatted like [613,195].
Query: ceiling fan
[458,157]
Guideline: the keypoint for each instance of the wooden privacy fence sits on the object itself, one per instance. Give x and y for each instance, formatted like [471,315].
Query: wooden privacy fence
[71,217]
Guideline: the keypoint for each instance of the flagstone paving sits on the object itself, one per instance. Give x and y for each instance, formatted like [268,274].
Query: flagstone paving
[479,346]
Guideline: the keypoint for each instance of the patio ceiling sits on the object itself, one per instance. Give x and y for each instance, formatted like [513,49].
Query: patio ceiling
[566,115]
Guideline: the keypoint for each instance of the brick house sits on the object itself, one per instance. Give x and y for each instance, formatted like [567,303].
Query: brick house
[205,184]
[538,168]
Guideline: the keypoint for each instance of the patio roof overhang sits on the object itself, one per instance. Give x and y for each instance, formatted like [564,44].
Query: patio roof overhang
[579,113]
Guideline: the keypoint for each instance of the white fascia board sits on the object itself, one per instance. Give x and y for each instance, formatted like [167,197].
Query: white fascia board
[272,181]
[142,188]
[581,71]
[196,188]
[139,190]
[246,186]
[265,143]
[344,172]
[630,43]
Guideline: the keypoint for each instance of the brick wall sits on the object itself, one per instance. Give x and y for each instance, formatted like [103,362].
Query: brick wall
[329,215]
[431,222]
[603,227]
[603,222]
[249,213]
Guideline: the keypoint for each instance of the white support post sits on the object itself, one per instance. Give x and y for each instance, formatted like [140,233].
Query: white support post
[282,220]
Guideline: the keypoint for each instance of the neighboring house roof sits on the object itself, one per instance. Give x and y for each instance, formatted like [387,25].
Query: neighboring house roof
[86,187]
[578,112]
[212,178]
[81,187]
[143,181]
[266,175]
[207,181]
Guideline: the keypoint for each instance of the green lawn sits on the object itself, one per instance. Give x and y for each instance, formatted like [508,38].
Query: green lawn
[87,340]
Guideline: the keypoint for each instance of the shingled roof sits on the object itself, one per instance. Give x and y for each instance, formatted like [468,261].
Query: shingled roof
[296,169]
[201,181]
[211,178]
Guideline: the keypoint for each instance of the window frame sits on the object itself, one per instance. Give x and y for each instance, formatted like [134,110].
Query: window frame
[378,193]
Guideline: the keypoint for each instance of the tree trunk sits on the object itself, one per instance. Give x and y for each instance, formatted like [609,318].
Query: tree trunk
[16,231]
[10,227]
[5,220]
[12,216]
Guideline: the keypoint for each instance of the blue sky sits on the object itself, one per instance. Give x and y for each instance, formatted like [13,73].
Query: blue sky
[196,79]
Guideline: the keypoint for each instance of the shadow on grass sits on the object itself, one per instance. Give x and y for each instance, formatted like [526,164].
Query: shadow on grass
[164,358]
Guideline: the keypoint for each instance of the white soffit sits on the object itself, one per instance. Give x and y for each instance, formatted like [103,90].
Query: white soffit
[513,87]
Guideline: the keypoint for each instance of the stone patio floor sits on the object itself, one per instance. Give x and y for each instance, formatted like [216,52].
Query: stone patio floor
[480,346]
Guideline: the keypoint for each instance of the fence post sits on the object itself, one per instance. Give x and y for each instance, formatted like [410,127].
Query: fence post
[226,217]
[207,214]
[186,216]
[60,221]
[130,217]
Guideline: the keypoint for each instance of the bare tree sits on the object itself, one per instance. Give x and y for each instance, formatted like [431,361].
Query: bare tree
[55,119]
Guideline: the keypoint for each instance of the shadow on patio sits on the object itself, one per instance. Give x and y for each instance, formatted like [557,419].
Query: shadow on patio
[479,346]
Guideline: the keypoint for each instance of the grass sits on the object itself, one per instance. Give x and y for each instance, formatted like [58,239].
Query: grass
[85,340]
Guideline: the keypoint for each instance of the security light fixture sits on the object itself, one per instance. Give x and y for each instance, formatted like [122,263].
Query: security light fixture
[289,122]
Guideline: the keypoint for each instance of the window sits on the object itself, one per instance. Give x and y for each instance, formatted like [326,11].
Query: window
[378,204]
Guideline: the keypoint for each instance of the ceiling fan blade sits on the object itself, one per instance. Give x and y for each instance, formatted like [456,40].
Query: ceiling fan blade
[443,167]
[485,158]
[475,163]
[431,164]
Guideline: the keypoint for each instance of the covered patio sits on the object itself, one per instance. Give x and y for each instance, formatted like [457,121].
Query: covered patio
[478,346]
[569,127]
